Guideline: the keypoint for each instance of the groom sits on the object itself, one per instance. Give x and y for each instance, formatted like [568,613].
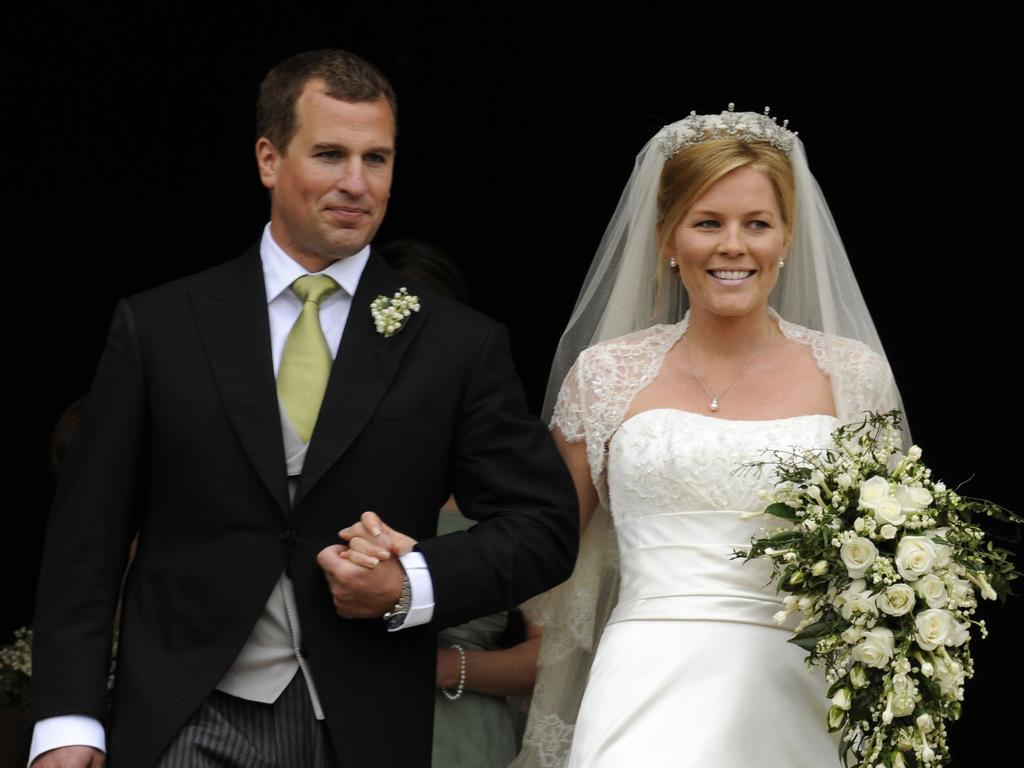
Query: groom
[242,416]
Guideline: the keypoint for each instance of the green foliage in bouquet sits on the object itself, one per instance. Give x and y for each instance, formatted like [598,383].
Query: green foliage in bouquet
[884,566]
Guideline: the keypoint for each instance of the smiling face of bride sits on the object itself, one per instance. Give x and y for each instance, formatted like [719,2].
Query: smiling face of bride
[726,223]
[729,243]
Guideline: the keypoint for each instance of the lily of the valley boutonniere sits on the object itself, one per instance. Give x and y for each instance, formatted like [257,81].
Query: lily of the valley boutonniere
[391,313]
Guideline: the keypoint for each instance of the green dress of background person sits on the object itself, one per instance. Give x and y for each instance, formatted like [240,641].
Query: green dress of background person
[477,729]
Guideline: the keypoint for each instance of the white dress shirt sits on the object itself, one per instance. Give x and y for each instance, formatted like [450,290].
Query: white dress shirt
[283,307]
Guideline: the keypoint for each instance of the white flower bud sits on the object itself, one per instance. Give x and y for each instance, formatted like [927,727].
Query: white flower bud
[820,568]
[842,699]
[859,677]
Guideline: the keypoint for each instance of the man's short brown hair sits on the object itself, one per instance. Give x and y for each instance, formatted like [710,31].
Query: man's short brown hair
[347,76]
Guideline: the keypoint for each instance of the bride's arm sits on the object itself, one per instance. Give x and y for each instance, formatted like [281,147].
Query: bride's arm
[574,454]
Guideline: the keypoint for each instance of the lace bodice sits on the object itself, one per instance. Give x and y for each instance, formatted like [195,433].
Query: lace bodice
[606,378]
[695,474]
[677,502]
[671,461]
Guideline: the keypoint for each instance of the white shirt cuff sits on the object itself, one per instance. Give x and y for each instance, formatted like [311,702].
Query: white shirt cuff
[422,587]
[66,731]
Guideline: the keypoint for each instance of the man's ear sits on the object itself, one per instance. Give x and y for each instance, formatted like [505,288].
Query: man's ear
[267,159]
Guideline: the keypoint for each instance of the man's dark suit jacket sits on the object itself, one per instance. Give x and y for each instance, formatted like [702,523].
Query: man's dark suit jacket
[181,441]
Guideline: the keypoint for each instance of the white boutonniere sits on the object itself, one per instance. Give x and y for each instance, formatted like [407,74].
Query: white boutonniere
[391,313]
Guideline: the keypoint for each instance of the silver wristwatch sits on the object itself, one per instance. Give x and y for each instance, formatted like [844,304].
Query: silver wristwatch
[396,616]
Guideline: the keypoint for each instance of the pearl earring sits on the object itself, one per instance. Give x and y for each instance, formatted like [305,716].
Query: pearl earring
[782,263]
[672,262]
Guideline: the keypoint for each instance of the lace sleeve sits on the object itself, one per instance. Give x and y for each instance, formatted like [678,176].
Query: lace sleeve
[861,377]
[568,414]
[591,403]
[866,381]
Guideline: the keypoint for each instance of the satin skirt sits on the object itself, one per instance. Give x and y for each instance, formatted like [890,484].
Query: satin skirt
[692,669]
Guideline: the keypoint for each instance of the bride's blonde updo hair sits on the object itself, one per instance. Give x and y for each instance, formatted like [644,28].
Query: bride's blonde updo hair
[689,173]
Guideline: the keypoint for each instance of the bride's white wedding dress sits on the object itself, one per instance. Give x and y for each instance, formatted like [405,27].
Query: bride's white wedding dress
[692,669]
[673,646]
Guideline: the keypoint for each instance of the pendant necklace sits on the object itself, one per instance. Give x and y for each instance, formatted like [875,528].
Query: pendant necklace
[713,398]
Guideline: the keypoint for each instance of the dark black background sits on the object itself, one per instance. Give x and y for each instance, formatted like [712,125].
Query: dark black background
[131,148]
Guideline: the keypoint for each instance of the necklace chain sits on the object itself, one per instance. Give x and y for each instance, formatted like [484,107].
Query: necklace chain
[713,406]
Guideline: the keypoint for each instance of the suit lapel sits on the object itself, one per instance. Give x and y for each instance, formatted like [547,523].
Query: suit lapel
[362,371]
[231,311]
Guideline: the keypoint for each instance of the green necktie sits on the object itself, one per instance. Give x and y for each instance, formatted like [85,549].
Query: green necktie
[306,359]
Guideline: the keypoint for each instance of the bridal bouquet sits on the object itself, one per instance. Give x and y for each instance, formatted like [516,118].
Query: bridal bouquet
[885,567]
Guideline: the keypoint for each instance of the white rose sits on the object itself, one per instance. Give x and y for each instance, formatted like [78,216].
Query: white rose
[889,510]
[854,603]
[913,498]
[943,552]
[903,705]
[897,600]
[904,699]
[873,491]
[915,557]
[876,648]
[934,628]
[932,590]
[888,532]
[851,635]
[925,723]
[858,554]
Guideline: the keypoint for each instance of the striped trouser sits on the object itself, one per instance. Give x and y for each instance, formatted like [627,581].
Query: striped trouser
[228,731]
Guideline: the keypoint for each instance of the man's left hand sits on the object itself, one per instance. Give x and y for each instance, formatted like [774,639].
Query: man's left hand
[359,592]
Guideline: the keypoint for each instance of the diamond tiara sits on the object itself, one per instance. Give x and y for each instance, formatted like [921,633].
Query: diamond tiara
[746,126]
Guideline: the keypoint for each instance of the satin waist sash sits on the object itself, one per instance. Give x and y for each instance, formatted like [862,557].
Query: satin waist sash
[679,566]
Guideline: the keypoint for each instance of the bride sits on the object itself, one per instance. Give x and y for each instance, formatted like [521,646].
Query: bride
[662,650]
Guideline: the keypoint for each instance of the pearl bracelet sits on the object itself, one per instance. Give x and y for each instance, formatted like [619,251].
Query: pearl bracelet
[462,675]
